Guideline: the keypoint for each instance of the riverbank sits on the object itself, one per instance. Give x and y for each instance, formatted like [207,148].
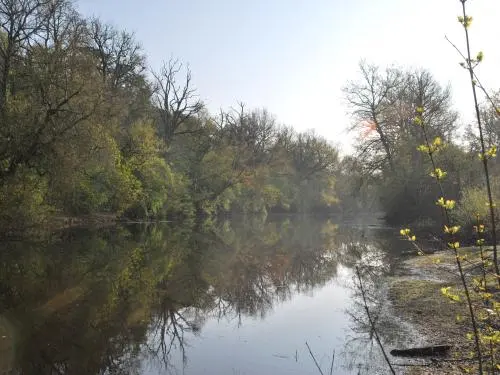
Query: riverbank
[93,220]
[54,224]
[416,297]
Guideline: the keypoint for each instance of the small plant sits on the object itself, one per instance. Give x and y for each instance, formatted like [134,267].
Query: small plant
[481,302]
[450,229]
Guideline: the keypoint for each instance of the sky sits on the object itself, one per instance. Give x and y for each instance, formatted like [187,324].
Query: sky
[294,56]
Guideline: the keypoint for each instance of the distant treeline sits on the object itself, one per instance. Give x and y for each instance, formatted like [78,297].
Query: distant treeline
[389,168]
[86,128]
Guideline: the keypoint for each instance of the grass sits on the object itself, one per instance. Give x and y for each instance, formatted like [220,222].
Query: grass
[421,302]
[448,258]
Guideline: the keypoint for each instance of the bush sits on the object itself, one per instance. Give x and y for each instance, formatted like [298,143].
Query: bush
[473,202]
[22,201]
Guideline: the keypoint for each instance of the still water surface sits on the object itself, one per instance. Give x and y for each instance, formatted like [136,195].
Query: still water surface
[237,297]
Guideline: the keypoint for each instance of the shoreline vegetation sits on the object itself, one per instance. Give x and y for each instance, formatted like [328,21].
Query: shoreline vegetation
[89,131]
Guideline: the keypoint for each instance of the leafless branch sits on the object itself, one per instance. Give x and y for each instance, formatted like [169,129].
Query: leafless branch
[177,102]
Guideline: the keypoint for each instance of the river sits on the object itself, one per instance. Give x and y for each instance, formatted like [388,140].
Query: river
[241,296]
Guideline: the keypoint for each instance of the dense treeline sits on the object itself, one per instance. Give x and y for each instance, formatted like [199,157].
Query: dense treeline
[389,169]
[86,128]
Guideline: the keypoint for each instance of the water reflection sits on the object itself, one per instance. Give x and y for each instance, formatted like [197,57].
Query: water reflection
[109,301]
[377,257]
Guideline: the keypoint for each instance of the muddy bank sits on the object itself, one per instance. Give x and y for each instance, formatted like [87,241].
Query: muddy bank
[416,297]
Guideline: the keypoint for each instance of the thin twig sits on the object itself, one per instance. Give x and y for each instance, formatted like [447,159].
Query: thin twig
[476,78]
[314,358]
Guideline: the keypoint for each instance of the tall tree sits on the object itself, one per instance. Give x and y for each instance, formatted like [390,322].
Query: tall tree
[383,106]
[176,101]
[368,98]
[20,23]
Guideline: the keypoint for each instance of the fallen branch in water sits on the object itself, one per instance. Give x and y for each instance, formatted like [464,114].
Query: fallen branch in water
[314,358]
[333,359]
[316,362]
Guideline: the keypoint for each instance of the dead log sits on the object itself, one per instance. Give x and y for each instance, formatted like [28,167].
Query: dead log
[426,351]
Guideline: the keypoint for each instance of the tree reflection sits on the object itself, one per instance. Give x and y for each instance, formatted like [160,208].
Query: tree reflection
[97,302]
[367,252]
[250,273]
[168,330]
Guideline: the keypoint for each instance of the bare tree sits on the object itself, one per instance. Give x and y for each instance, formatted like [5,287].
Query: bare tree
[368,99]
[384,103]
[312,154]
[251,131]
[419,89]
[177,102]
[119,55]
[491,126]
[63,27]
[44,40]
[20,21]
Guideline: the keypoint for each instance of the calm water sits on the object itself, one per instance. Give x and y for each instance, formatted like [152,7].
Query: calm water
[238,297]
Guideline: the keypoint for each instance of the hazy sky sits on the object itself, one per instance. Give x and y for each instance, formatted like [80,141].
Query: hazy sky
[294,56]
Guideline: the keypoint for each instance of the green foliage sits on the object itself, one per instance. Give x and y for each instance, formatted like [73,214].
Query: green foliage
[84,132]
[23,201]
[473,202]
